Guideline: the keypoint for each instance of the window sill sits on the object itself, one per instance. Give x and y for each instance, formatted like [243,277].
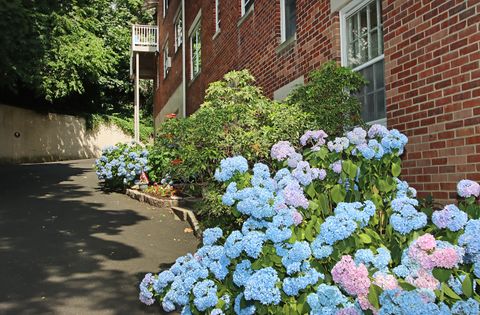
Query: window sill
[286,45]
[381,121]
[246,15]
[216,34]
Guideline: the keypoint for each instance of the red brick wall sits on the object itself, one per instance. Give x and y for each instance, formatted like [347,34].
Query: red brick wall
[432,72]
[252,45]
[169,84]
[432,69]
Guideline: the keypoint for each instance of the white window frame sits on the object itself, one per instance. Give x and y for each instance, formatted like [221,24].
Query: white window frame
[244,3]
[283,23]
[193,28]
[217,16]
[347,11]
[178,17]
[165,7]
[165,52]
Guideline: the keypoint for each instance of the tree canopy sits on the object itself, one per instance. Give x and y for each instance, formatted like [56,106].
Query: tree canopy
[73,54]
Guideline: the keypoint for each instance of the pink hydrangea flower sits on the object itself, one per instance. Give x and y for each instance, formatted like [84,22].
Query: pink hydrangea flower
[426,242]
[354,279]
[424,280]
[385,281]
[297,217]
[467,188]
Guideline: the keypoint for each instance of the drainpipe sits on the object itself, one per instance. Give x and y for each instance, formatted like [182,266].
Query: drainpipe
[184,73]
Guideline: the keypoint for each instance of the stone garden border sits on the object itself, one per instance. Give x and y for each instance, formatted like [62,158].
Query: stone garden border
[174,203]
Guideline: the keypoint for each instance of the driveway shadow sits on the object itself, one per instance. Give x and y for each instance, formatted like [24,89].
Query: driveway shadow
[53,245]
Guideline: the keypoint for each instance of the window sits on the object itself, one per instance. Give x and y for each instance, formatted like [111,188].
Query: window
[166,4]
[195,50]
[166,60]
[288,17]
[178,30]
[362,50]
[246,5]
[217,16]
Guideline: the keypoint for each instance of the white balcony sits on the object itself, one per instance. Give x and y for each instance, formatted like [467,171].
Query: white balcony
[145,38]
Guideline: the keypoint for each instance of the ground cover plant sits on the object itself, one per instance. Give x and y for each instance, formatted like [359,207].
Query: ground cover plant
[120,165]
[333,231]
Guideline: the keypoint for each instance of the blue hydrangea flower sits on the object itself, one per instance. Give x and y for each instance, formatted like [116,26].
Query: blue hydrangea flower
[262,287]
[242,273]
[335,229]
[205,295]
[406,218]
[395,140]
[310,276]
[211,236]
[320,250]
[470,240]
[253,243]
[468,307]
[327,300]
[357,211]
[163,280]
[249,310]
[229,166]
[234,245]
[146,296]
[396,302]
[295,256]
[450,217]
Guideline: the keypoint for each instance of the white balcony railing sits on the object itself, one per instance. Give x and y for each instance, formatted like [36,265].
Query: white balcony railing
[145,38]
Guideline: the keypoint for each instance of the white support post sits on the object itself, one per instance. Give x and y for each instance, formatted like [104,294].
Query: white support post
[136,114]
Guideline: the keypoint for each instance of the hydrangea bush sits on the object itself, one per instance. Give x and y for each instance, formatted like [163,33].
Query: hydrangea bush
[333,231]
[120,165]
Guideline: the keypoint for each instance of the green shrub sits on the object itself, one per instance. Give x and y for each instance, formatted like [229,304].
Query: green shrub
[236,118]
[328,98]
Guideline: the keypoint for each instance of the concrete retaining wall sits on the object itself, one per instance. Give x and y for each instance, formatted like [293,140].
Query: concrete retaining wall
[27,136]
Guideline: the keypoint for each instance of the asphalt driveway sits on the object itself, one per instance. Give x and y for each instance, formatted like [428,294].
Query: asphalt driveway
[66,247]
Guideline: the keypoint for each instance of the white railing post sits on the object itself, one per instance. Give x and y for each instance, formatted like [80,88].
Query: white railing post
[144,37]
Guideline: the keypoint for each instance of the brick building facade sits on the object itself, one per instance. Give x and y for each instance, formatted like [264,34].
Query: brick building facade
[422,59]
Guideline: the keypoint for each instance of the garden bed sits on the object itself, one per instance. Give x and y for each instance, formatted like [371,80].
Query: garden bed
[181,206]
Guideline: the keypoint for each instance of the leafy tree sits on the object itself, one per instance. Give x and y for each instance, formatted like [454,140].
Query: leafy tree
[69,52]
[328,97]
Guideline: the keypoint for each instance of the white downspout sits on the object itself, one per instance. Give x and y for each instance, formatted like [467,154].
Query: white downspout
[184,67]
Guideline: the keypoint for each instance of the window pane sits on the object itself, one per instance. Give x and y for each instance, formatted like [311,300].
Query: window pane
[363,20]
[380,105]
[379,75]
[196,51]
[290,18]
[368,75]
[248,5]
[373,15]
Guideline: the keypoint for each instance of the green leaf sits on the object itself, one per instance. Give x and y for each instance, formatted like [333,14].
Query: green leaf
[396,169]
[311,191]
[449,292]
[467,286]
[338,193]
[442,274]
[373,294]
[406,286]
[365,238]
